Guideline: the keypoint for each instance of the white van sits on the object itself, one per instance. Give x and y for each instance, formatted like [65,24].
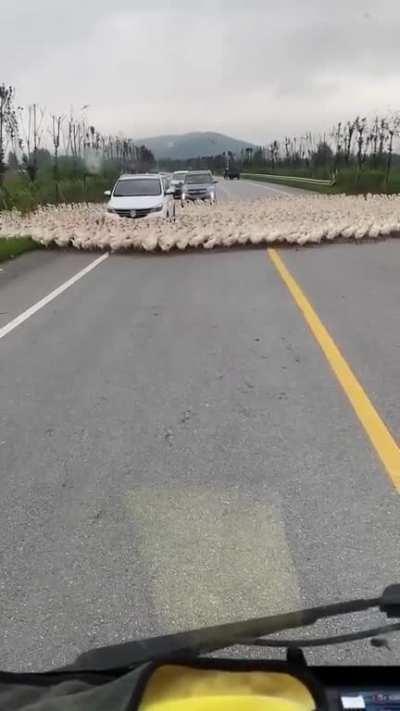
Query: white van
[141,196]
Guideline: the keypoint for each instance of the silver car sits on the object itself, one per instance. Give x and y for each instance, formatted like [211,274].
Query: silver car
[177,181]
[199,185]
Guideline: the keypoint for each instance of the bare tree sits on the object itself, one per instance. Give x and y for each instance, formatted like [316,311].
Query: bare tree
[56,126]
[338,138]
[310,147]
[393,130]
[367,146]
[33,128]
[287,148]
[374,137]
[350,128]
[75,140]
[249,154]
[274,149]
[302,150]
[360,125]
[8,124]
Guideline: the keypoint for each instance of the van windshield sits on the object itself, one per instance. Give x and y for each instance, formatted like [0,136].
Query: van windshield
[198,178]
[137,187]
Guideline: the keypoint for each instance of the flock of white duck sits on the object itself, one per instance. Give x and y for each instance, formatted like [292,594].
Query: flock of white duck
[299,219]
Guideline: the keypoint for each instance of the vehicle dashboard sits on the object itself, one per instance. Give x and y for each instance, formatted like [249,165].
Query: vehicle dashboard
[363,687]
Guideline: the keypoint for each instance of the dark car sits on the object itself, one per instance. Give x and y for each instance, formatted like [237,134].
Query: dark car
[232,173]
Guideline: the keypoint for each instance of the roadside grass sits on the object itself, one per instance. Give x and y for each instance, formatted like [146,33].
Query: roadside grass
[19,193]
[14,246]
[368,181]
[350,182]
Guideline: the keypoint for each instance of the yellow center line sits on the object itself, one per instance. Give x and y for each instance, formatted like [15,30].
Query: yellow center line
[384,443]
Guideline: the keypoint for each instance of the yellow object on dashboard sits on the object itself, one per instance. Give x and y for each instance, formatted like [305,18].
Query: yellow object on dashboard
[181,688]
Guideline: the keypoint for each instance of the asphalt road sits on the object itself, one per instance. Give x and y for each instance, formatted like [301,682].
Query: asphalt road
[175,449]
[250,189]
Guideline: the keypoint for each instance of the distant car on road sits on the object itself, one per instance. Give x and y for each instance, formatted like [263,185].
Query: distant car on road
[199,185]
[232,173]
[177,181]
[141,196]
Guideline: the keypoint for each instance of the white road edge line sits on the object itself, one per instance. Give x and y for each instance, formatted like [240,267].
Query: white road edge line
[273,190]
[11,325]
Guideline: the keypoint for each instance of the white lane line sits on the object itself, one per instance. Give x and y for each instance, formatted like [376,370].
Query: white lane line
[11,325]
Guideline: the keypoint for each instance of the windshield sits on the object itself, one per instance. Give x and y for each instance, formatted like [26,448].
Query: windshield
[137,187]
[199,377]
[198,178]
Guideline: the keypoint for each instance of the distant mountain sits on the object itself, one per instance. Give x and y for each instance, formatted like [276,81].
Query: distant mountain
[192,145]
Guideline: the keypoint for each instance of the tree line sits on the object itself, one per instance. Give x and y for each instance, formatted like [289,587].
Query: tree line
[358,146]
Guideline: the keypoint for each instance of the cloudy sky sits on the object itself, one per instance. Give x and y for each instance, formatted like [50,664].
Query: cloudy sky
[254,69]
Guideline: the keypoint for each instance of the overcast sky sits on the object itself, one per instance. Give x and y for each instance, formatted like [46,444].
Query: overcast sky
[254,69]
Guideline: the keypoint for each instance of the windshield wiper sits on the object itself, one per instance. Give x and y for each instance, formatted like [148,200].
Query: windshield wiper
[209,639]
[323,641]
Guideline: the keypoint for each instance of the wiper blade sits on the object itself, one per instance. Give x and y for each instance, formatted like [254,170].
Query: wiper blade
[209,639]
[324,641]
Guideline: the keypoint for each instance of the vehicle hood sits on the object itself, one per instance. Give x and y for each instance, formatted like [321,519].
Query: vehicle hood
[197,186]
[135,203]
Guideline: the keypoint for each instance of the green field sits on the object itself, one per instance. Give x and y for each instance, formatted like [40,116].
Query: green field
[350,182]
[14,246]
[20,193]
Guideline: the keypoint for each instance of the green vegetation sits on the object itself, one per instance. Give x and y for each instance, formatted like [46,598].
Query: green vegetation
[14,246]
[72,184]
[368,181]
[48,159]
[357,156]
[349,181]
[19,192]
